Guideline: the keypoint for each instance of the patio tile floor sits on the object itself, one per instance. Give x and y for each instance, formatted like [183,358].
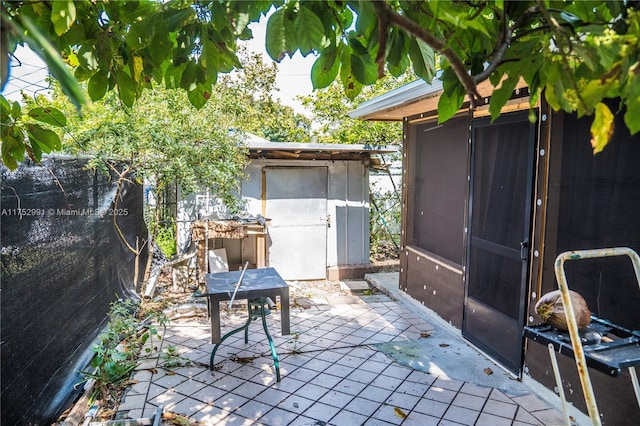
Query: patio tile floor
[331,374]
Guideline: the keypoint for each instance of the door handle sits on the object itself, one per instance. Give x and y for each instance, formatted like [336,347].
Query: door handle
[524,248]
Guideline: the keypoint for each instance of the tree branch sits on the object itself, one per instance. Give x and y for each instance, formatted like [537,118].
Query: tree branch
[388,15]
[383,25]
[506,38]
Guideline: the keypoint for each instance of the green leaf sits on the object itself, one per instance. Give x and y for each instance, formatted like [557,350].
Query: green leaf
[126,88]
[43,47]
[350,84]
[189,76]
[49,115]
[199,95]
[37,151]
[16,111]
[397,53]
[309,29]
[632,101]
[325,68]
[423,59]
[452,96]
[160,47]
[141,32]
[5,107]
[98,85]
[364,69]
[592,93]
[86,57]
[44,137]
[177,19]
[173,76]
[601,128]
[12,148]
[63,13]
[275,41]
[501,95]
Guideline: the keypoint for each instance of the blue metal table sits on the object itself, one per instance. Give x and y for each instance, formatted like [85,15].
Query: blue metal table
[257,285]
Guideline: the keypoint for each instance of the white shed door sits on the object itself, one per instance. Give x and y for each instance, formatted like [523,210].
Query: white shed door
[296,203]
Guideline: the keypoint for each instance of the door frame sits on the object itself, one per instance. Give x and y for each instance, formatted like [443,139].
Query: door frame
[525,248]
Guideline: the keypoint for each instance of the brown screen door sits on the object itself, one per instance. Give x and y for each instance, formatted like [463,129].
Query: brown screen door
[499,228]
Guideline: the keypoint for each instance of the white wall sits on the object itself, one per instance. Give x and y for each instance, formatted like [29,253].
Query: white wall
[347,205]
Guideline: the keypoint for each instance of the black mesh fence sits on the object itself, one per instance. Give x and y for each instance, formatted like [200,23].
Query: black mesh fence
[63,262]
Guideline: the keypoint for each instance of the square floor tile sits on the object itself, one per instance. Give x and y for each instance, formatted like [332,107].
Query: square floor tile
[500,408]
[418,419]
[249,389]
[336,399]
[412,388]
[321,412]
[390,414]
[339,370]
[189,406]
[303,374]
[362,376]
[362,406]
[326,380]
[253,410]
[295,404]
[397,371]
[404,401]
[311,391]
[524,416]
[209,395]
[440,394]
[472,389]
[271,396]
[530,402]
[486,419]
[453,385]
[288,384]
[278,417]
[469,401]
[375,393]
[348,418]
[431,407]
[189,387]
[387,382]
[549,417]
[350,387]
[317,364]
[461,415]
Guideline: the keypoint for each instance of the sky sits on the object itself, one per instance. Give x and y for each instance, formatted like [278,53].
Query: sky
[28,72]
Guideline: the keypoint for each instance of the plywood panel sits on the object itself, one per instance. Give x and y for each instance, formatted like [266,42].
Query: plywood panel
[438,285]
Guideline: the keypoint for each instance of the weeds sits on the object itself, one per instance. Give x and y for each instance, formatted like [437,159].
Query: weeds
[119,347]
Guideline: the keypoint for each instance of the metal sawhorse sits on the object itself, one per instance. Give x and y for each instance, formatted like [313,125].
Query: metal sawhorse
[608,356]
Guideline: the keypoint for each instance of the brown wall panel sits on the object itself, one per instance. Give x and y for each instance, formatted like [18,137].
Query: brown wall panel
[436,285]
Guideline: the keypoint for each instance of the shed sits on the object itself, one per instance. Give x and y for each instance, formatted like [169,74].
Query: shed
[315,198]
[487,208]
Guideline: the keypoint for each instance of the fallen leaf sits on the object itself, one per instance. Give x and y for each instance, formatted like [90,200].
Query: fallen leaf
[398,412]
[168,415]
[488,371]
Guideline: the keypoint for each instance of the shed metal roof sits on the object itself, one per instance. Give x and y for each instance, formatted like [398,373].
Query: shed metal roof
[295,150]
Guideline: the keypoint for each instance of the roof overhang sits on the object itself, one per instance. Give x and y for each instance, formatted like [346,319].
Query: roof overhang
[315,151]
[417,97]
